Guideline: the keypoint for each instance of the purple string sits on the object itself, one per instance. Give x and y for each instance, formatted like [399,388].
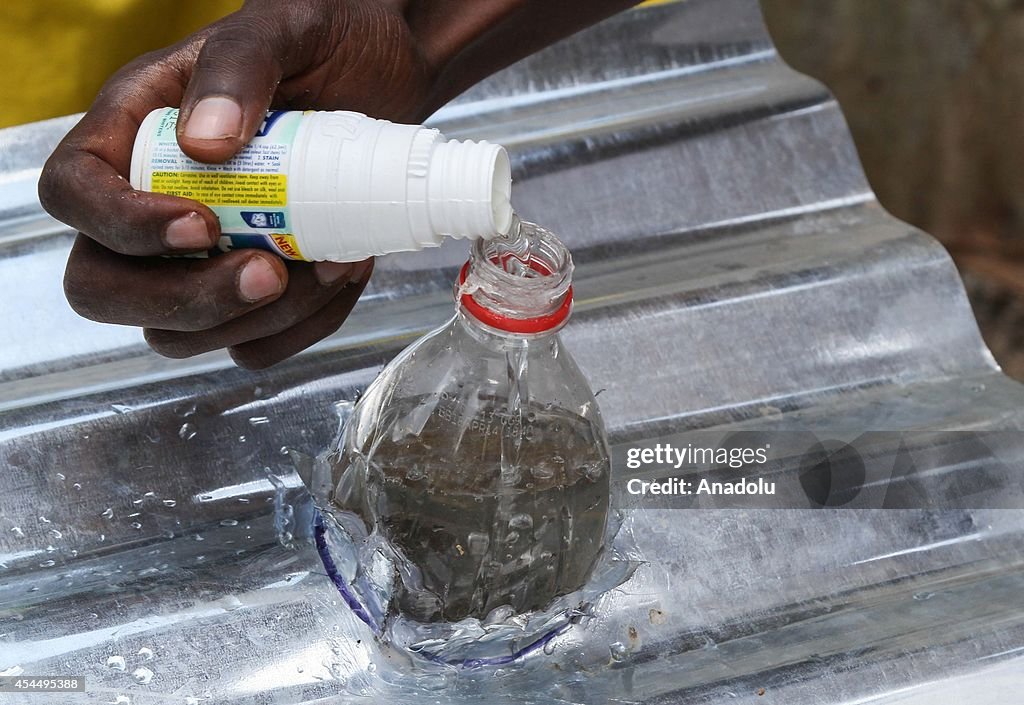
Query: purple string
[319,535]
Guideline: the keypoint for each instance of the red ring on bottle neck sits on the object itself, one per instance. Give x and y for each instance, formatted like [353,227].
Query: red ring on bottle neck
[536,324]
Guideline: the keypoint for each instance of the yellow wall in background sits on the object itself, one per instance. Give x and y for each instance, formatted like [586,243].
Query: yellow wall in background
[57,53]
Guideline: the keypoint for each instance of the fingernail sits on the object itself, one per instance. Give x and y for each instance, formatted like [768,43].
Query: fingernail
[214,118]
[258,280]
[360,270]
[329,272]
[187,233]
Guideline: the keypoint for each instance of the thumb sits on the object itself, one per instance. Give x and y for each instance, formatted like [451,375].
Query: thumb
[233,80]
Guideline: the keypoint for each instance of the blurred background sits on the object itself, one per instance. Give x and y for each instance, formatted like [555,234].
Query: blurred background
[933,91]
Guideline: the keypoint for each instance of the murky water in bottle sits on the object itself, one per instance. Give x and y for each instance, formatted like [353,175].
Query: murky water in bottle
[474,539]
[477,465]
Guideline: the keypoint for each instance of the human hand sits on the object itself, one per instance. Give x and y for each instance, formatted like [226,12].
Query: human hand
[326,54]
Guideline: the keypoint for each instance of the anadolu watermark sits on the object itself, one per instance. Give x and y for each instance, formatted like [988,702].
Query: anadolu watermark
[816,469]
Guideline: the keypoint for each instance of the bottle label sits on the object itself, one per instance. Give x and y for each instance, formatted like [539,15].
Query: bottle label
[249,192]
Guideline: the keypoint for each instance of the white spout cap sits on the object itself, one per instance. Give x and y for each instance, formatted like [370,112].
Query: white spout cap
[469,188]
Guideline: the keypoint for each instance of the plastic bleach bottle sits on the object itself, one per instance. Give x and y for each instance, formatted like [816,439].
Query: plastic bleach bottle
[336,186]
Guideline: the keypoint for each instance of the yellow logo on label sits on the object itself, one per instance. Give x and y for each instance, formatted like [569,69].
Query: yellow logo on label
[287,245]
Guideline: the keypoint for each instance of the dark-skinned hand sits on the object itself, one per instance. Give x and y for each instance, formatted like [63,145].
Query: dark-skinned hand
[352,55]
[391,59]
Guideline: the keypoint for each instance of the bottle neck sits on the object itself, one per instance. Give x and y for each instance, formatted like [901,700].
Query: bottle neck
[503,341]
[518,285]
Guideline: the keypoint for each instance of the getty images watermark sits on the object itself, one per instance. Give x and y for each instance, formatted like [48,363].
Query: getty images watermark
[665,454]
[805,469]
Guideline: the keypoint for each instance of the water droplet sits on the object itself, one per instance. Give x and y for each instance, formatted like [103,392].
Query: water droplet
[243,500]
[170,503]
[44,520]
[77,485]
[61,476]
[338,671]
[108,513]
[120,408]
[142,675]
[229,522]
[478,543]
[48,564]
[924,596]
[512,537]
[547,559]
[241,439]
[93,615]
[521,521]
[187,431]
[136,525]
[18,532]
[499,615]
[549,647]
[146,653]
[543,470]
[56,534]
[116,663]
[592,471]
[618,651]
[258,420]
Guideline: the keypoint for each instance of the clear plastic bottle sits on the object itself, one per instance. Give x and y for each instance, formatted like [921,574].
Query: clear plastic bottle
[479,452]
